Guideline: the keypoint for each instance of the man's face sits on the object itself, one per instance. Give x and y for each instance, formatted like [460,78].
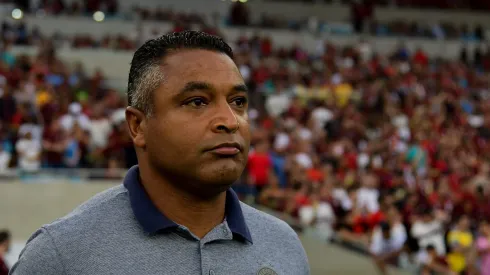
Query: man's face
[200,105]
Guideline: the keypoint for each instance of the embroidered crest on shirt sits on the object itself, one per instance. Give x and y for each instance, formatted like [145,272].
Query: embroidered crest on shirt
[266,271]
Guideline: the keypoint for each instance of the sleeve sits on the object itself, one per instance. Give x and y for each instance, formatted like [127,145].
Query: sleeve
[416,230]
[422,258]
[306,215]
[482,244]
[304,266]
[376,242]
[400,236]
[39,257]
[325,212]
[19,147]
[295,251]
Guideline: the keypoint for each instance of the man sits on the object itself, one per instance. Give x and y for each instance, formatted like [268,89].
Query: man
[460,240]
[4,248]
[428,229]
[432,263]
[175,212]
[387,240]
[483,247]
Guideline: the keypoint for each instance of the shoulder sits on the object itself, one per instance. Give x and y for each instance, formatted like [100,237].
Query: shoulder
[70,236]
[399,228]
[39,256]
[275,237]
[259,219]
[98,209]
[99,215]
[267,228]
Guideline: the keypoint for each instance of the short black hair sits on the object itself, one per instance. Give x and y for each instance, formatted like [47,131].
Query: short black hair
[385,227]
[430,247]
[4,236]
[143,78]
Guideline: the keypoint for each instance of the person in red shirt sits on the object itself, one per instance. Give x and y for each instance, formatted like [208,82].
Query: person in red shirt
[266,46]
[315,173]
[420,57]
[259,166]
[54,143]
[4,248]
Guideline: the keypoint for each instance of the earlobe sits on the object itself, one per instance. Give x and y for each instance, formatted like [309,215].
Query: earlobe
[137,126]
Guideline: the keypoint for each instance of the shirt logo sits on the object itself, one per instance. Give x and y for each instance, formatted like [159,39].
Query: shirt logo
[266,271]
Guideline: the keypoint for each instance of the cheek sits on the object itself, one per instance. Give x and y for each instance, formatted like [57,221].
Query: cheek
[245,133]
[245,128]
[174,140]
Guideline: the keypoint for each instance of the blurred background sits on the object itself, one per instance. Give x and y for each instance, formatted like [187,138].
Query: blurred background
[370,118]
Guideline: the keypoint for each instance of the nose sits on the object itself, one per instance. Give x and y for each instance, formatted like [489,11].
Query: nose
[225,120]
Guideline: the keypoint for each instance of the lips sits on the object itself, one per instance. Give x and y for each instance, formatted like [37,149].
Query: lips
[227,149]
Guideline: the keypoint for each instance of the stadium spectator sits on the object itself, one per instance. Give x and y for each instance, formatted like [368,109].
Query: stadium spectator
[460,240]
[433,263]
[5,158]
[259,166]
[4,248]
[370,130]
[483,247]
[318,213]
[239,14]
[28,153]
[7,105]
[54,144]
[388,240]
[361,10]
[428,229]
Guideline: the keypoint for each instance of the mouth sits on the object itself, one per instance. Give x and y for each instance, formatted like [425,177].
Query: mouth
[227,149]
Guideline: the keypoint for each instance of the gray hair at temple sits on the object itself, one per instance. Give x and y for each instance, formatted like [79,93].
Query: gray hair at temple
[146,75]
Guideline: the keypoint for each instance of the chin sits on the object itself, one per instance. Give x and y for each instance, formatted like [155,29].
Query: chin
[221,175]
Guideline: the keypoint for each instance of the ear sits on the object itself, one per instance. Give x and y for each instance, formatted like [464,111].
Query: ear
[137,126]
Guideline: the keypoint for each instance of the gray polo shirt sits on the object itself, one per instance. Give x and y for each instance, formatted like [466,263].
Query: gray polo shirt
[120,232]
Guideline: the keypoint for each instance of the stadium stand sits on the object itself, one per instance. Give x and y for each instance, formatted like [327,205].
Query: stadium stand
[356,137]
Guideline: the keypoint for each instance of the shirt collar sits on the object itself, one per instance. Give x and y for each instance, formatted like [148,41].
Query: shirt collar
[153,221]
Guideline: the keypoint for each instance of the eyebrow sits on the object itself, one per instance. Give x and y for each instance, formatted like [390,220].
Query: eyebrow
[200,86]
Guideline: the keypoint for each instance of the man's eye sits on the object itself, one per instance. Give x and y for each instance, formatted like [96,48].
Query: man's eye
[196,102]
[240,102]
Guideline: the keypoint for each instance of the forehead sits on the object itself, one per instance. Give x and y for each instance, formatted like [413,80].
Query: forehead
[200,65]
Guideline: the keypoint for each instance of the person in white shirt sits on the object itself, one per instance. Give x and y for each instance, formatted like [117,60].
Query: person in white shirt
[368,194]
[75,115]
[4,159]
[388,240]
[32,124]
[29,153]
[304,160]
[100,128]
[428,229]
[318,214]
[278,103]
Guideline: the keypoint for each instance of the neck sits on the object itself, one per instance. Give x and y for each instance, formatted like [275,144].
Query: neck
[199,215]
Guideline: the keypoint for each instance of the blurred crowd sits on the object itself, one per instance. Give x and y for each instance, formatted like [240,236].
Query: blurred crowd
[54,115]
[363,20]
[386,151]
[389,152]
[419,4]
